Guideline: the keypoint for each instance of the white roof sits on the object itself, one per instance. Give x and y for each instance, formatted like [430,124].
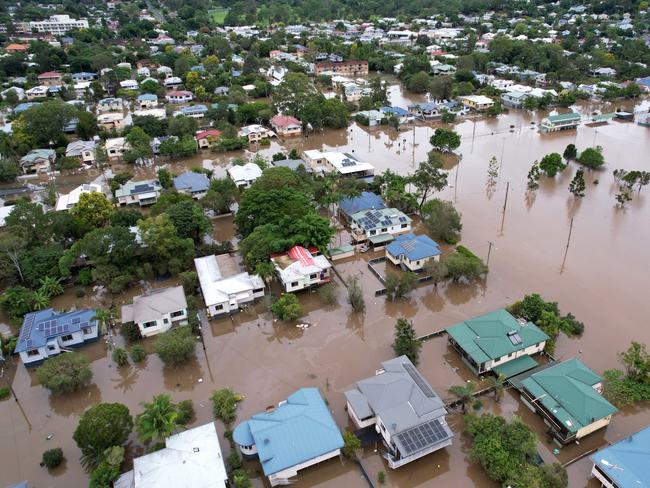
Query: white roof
[109,117]
[252,129]
[192,459]
[296,270]
[115,143]
[344,163]
[478,99]
[247,172]
[158,113]
[66,202]
[217,288]
[4,213]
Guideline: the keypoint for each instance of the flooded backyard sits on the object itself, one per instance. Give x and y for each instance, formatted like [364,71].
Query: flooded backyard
[604,280]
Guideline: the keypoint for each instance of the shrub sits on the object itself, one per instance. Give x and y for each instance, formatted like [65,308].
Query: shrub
[224,405]
[398,285]
[138,354]
[381,477]
[5,392]
[120,356]
[52,458]
[104,475]
[175,346]
[351,444]
[355,295]
[234,461]
[287,307]
[65,373]
[328,294]
[591,158]
[463,264]
[406,342]
[130,332]
[442,219]
[185,410]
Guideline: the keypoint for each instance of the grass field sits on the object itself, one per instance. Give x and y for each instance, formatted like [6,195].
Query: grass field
[218,15]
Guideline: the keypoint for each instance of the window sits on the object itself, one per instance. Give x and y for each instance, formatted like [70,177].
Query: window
[218,307]
[165,321]
[404,226]
[146,325]
[258,290]
[51,348]
[313,276]
[373,232]
[384,230]
[66,338]
[294,284]
[177,314]
[33,352]
[87,330]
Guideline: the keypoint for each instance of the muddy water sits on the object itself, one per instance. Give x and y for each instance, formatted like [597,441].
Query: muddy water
[604,282]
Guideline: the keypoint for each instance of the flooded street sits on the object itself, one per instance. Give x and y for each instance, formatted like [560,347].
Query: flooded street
[604,282]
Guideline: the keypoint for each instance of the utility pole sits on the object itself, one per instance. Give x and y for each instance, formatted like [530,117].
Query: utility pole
[460,158]
[505,204]
[503,149]
[473,133]
[568,242]
[487,263]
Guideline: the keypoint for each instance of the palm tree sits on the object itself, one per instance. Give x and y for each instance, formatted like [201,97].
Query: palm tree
[40,300]
[464,393]
[51,286]
[158,420]
[104,316]
[497,383]
[266,271]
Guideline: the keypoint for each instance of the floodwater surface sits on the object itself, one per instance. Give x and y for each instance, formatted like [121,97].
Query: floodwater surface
[603,279]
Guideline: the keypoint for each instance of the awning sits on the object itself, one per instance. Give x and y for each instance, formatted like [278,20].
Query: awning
[147,196]
[516,366]
[381,239]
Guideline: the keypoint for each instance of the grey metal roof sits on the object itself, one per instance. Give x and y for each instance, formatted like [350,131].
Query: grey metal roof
[154,304]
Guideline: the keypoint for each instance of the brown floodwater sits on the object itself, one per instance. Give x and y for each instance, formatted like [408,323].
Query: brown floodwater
[604,281]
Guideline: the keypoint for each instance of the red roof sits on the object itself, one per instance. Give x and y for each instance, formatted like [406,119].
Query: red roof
[202,134]
[17,47]
[179,93]
[299,253]
[285,120]
[49,74]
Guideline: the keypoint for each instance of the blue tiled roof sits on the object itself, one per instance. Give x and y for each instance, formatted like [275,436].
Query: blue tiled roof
[147,96]
[366,201]
[627,462]
[643,81]
[399,111]
[194,182]
[39,327]
[298,430]
[413,247]
[21,107]
[194,109]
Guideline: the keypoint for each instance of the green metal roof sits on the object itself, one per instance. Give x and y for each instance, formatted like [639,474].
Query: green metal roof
[381,238]
[516,366]
[564,117]
[335,251]
[486,337]
[566,391]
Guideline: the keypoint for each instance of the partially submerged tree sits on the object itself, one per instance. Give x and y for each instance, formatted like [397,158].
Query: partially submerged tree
[445,140]
[224,405]
[399,284]
[355,295]
[442,219]
[406,342]
[551,164]
[463,393]
[429,177]
[175,346]
[158,420]
[287,307]
[577,186]
[65,372]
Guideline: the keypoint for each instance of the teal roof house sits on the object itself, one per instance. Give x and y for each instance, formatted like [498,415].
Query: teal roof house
[497,342]
[298,433]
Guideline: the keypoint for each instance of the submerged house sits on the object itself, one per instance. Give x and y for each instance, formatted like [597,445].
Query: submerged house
[555,123]
[298,433]
[224,286]
[194,184]
[157,310]
[366,201]
[244,176]
[568,397]
[497,342]
[412,252]
[301,268]
[379,225]
[624,464]
[143,193]
[191,458]
[403,409]
[47,333]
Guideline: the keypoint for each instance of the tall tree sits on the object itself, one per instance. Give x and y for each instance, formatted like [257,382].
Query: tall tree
[158,420]
[429,177]
[405,341]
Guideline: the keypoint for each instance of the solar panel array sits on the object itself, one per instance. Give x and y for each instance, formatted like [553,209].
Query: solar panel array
[409,245]
[53,328]
[142,188]
[515,338]
[403,219]
[415,376]
[348,162]
[422,436]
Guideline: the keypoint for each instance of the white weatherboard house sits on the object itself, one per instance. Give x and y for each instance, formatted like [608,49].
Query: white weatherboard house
[244,176]
[405,411]
[144,192]
[298,433]
[69,200]
[412,252]
[47,333]
[190,459]
[298,268]
[344,164]
[225,288]
[369,224]
[157,310]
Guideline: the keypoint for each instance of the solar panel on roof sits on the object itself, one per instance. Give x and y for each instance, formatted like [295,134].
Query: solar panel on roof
[142,188]
[422,437]
[76,320]
[415,376]
[515,338]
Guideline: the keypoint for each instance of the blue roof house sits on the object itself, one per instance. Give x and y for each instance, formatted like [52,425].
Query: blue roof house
[411,252]
[298,433]
[366,201]
[191,183]
[399,113]
[625,464]
[47,333]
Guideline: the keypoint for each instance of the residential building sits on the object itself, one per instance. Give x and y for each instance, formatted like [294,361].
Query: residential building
[157,311]
[345,68]
[497,342]
[477,102]
[47,333]
[298,433]
[129,84]
[514,99]
[84,76]
[191,183]
[554,123]
[255,132]
[293,164]
[20,93]
[345,164]
[245,175]
[193,111]
[412,252]
[111,120]
[379,226]
[191,458]
[224,286]
[371,118]
[403,409]
[286,125]
[366,201]
[58,24]
[172,82]
[430,110]
[38,161]
[568,395]
[146,101]
[36,92]
[116,147]
[398,113]
[143,193]
[110,105]
[5,211]
[625,463]
[179,96]
[205,138]
[69,200]
[16,48]
[50,78]
[301,268]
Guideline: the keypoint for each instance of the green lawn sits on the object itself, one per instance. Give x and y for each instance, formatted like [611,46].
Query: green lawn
[218,15]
